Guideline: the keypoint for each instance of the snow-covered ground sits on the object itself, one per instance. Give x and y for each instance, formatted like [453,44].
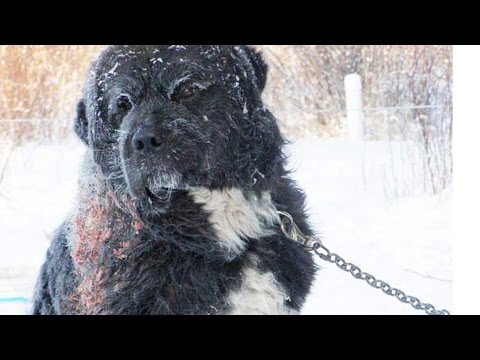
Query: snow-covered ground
[405,241]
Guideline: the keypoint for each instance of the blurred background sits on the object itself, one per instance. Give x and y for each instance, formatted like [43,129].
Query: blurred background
[371,130]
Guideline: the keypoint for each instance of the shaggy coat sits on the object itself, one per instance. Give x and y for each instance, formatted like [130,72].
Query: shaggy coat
[176,211]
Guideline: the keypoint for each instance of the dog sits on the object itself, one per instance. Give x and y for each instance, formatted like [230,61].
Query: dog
[179,192]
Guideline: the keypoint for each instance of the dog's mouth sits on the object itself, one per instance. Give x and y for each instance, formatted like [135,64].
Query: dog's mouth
[161,194]
[154,198]
[155,186]
[153,202]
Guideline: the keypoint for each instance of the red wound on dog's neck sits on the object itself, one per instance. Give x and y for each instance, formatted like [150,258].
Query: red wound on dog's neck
[91,233]
[101,231]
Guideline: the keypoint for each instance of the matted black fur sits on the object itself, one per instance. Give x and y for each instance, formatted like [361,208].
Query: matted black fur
[159,121]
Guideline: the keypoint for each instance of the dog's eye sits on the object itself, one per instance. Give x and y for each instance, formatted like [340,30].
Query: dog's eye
[124,103]
[186,91]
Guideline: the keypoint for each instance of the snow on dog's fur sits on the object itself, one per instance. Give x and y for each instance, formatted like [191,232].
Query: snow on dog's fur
[177,205]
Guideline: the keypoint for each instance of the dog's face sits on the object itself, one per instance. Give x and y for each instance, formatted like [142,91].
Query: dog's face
[165,118]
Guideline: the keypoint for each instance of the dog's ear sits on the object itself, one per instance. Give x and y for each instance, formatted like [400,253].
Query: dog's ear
[265,144]
[81,122]
[255,62]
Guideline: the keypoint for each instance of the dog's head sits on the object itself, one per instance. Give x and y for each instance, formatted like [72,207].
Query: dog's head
[165,118]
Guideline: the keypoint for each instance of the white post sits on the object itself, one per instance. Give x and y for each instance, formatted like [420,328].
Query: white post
[353,100]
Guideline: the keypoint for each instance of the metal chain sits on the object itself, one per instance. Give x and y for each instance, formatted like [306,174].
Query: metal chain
[291,230]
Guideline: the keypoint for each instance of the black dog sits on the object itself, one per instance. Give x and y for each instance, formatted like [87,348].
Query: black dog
[179,192]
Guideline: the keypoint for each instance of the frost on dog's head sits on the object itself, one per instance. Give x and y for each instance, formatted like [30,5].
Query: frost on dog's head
[165,118]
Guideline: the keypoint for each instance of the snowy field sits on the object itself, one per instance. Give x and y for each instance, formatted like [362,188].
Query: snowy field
[405,242]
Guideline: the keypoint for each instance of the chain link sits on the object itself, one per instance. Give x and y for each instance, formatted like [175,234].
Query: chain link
[291,230]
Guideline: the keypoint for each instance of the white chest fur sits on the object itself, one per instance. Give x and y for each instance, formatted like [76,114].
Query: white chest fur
[235,217]
[259,294]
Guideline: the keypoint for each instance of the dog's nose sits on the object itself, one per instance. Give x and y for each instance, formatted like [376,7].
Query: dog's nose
[145,140]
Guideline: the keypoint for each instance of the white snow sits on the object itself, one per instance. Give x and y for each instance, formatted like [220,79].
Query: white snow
[112,70]
[405,242]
